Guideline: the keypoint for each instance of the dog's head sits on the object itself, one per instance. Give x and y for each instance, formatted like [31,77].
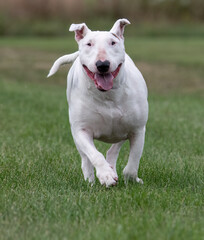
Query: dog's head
[101,53]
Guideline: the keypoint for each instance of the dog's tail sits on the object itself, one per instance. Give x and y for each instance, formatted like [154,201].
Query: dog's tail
[69,58]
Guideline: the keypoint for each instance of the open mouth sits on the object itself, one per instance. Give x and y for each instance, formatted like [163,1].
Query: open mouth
[103,82]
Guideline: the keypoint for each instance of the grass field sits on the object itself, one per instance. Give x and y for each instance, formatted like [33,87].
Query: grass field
[42,191]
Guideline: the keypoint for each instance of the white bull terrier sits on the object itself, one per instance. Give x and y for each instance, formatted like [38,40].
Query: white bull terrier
[107,99]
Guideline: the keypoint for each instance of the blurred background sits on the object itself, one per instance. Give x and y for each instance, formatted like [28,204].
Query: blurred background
[167,32]
[51,17]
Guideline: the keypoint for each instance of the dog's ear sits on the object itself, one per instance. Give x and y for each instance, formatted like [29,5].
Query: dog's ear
[80,30]
[119,26]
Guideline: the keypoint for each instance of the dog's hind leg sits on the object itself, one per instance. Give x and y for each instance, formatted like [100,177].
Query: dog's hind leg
[87,169]
[112,154]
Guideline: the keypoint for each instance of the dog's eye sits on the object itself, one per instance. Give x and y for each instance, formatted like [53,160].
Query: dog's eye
[88,44]
[113,43]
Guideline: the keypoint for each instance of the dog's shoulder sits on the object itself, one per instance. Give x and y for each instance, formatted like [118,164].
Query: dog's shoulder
[134,77]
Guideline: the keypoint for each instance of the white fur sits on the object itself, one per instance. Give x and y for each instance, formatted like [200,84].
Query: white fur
[69,58]
[112,116]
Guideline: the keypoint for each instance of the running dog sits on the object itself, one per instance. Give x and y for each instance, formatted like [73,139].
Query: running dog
[107,99]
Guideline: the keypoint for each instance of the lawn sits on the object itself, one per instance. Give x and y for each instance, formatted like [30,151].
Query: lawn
[42,191]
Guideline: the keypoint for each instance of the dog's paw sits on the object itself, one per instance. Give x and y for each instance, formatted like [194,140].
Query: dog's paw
[131,175]
[89,176]
[88,171]
[107,176]
[114,169]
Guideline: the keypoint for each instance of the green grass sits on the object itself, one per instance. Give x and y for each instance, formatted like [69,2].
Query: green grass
[42,191]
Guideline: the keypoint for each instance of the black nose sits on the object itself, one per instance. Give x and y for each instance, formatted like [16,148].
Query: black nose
[103,67]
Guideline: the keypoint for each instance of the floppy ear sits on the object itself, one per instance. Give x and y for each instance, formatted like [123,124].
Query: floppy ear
[80,30]
[119,26]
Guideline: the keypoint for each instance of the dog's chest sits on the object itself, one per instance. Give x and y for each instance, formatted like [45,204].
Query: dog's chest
[108,119]
[112,123]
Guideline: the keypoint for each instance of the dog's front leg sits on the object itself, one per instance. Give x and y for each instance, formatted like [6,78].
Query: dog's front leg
[85,145]
[136,149]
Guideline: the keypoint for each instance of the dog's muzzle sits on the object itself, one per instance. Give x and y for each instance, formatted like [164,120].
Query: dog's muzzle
[103,67]
[104,79]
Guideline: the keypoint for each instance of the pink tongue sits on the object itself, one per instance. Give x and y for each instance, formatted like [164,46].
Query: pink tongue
[104,81]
